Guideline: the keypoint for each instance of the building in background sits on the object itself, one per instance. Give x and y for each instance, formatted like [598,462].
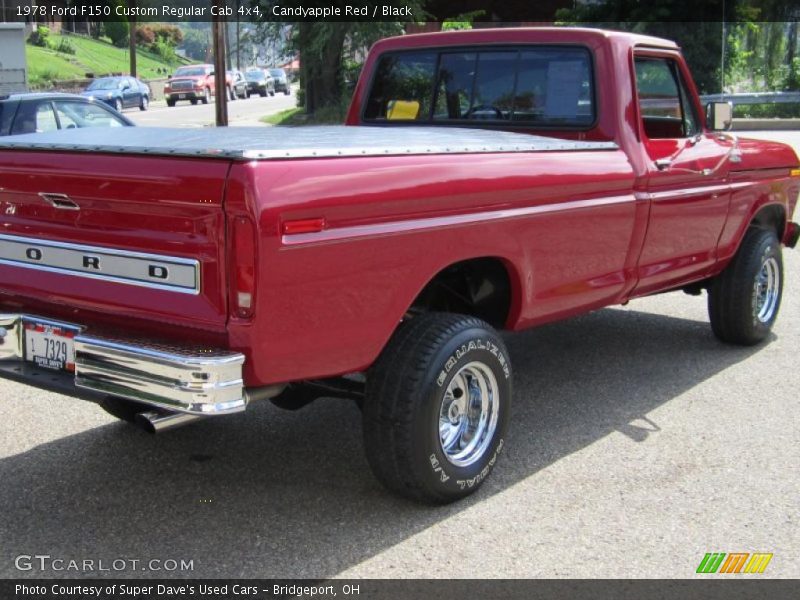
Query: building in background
[13,66]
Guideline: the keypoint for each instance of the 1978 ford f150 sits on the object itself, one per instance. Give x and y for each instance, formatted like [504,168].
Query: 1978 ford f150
[492,179]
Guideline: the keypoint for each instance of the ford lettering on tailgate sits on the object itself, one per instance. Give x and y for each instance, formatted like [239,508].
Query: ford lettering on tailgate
[134,268]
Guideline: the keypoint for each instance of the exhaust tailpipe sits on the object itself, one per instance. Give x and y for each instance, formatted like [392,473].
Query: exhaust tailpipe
[158,422]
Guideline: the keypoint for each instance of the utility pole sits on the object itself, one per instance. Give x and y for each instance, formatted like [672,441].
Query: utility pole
[228,45]
[722,55]
[221,92]
[132,37]
[238,40]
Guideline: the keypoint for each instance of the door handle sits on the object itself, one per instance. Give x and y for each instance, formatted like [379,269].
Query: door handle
[663,163]
[60,201]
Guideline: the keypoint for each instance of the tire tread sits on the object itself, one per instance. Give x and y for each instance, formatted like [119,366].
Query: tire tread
[730,293]
[390,406]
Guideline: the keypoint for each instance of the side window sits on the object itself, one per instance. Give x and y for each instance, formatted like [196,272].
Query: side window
[67,119]
[45,118]
[34,117]
[664,104]
[85,114]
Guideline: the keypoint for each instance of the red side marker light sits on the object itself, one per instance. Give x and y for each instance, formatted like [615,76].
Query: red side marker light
[304,226]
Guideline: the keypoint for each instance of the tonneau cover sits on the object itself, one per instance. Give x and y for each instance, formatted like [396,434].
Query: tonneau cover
[271,143]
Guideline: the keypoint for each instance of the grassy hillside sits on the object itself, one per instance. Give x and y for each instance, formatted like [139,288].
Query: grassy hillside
[92,56]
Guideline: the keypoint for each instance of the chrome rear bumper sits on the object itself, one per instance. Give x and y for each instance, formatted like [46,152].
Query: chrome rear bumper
[197,381]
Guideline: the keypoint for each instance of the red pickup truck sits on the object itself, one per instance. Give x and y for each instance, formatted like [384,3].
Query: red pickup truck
[486,180]
[195,83]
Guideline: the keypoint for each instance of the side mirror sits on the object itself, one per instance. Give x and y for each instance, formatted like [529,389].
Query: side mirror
[719,115]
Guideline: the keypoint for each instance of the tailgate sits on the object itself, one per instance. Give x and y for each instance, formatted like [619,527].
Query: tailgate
[133,236]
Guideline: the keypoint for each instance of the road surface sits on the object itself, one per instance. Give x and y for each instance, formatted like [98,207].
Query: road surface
[184,114]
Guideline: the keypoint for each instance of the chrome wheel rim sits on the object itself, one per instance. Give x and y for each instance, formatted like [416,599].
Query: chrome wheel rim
[468,414]
[767,290]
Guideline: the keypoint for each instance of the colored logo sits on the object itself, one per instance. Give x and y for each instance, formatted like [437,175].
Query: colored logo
[735,562]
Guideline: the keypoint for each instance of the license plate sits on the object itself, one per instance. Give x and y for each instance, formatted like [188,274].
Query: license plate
[49,347]
[181,96]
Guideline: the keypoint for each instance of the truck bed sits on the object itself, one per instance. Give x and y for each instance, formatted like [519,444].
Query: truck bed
[269,143]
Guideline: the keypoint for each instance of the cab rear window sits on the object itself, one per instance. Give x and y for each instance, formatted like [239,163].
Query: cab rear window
[543,86]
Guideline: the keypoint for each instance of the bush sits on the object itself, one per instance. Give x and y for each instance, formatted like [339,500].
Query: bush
[165,50]
[40,37]
[168,33]
[767,111]
[64,46]
[48,75]
[160,39]
[145,35]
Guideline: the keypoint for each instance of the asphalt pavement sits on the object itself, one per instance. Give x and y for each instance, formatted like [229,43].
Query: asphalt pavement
[241,112]
[638,443]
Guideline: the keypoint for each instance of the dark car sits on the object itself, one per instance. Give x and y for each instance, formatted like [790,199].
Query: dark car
[260,82]
[238,85]
[120,92]
[281,81]
[39,112]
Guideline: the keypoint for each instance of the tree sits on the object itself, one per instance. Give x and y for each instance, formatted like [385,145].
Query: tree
[756,52]
[197,43]
[324,46]
[763,45]
[700,40]
[118,32]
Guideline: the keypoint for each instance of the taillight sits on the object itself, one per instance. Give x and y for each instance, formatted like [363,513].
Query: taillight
[243,265]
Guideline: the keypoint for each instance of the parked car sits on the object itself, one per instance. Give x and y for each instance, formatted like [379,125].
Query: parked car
[260,82]
[213,268]
[238,85]
[193,83]
[281,81]
[120,92]
[41,112]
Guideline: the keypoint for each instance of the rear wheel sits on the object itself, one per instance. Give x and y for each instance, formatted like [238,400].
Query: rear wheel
[145,103]
[743,300]
[170,102]
[437,406]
